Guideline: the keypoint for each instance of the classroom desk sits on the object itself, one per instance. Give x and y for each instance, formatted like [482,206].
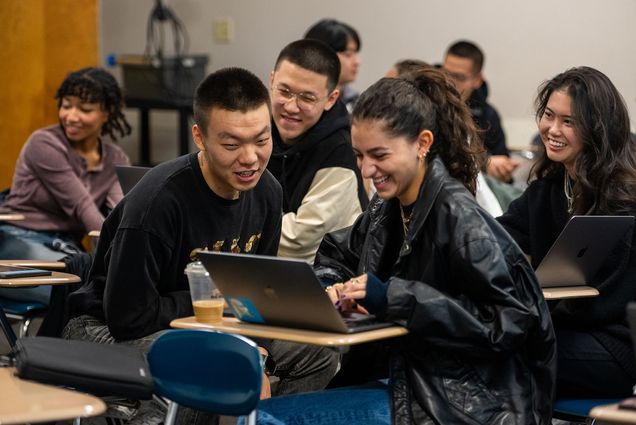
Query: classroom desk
[35,264]
[11,217]
[31,402]
[56,278]
[611,414]
[558,293]
[332,339]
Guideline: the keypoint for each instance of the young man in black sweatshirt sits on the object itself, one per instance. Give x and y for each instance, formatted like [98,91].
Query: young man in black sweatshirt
[221,198]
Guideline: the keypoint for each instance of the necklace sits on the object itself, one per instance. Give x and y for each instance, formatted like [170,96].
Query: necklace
[406,220]
[567,190]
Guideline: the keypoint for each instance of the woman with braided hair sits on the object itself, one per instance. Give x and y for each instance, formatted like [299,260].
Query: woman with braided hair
[65,182]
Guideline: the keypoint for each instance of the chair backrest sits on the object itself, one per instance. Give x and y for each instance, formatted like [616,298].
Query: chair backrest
[207,370]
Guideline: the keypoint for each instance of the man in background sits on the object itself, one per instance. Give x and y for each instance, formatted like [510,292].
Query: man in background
[312,158]
[464,62]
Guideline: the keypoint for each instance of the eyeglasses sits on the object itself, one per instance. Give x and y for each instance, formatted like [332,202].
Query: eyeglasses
[305,101]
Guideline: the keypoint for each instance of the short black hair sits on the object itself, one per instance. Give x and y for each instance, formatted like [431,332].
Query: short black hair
[315,56]
[232,89]
[469,50]
[96,85]
[335,34]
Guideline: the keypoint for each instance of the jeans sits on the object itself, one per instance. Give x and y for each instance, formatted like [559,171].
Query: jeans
[366,404]
[302,367]
[17,243]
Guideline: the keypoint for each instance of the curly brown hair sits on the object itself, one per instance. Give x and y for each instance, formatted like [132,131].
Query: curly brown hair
[424,99]
[606,167]
[96,85]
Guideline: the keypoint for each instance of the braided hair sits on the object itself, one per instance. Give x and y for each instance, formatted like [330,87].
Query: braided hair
[95,85]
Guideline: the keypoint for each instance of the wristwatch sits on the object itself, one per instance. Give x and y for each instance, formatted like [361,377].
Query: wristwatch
[269,365]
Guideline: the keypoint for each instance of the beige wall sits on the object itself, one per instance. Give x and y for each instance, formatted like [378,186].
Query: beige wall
[42,40]
[525,42]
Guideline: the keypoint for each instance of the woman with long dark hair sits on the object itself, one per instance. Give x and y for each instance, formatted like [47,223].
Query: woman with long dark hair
[587,167]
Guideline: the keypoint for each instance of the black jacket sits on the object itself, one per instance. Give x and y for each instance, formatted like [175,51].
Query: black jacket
[535,220]
[487,119]
[481,348]
[136,283]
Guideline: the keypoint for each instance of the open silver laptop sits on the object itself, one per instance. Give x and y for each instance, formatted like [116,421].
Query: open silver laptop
[580,250]
[279,291]
[129,176]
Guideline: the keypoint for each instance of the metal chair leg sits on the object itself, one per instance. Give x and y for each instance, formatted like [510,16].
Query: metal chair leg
[171,415]
[6,328]
[251,418]
[24,327]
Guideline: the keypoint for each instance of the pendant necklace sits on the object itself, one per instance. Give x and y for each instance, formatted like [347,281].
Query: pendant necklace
[567,189]
[406,220]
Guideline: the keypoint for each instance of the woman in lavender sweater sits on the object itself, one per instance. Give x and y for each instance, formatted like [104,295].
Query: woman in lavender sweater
[65,181]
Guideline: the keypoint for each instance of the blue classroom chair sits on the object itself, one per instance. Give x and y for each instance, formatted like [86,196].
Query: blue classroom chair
[23,312]
[207,370]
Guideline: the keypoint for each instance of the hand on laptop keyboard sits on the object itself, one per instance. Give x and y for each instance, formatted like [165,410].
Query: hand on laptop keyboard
[344,295]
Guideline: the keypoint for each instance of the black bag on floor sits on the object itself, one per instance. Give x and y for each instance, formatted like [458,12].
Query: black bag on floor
[99,369]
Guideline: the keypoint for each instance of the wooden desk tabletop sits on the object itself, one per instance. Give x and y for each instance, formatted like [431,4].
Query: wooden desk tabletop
[56,278]
[31,402]
[233,325]
[611,414]
[569,292]
[11,217]
[36,264]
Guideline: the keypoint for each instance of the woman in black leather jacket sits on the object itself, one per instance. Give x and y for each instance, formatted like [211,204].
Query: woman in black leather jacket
[480,348]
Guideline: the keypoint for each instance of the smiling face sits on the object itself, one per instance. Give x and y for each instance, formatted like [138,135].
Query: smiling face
[235,151]
[395,164]
[82,121]
[292,117]
[558,134]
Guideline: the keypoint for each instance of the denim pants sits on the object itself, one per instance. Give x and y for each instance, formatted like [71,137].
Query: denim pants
[24,244]
[366,404]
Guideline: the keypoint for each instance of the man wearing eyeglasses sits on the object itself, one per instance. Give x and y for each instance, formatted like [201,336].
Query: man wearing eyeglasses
[312,156]
[463,63]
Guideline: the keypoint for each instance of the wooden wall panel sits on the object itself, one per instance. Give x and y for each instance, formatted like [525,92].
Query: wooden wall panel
[41,42]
